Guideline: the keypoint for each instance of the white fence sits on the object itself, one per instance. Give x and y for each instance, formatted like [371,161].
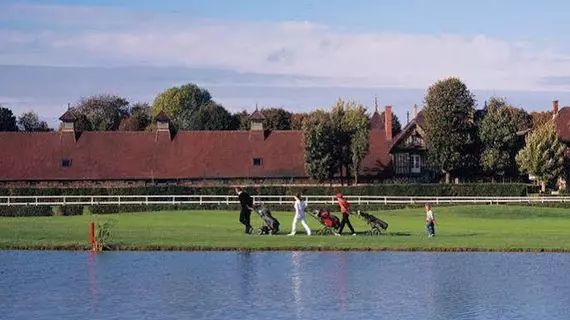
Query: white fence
[226,200]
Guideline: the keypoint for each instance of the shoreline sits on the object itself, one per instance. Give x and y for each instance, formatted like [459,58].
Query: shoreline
[162,248]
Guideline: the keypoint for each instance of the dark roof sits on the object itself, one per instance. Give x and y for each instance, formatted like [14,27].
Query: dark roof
[257,115]
[162,117]
[417,121]
[68,116]
[153,155]
[377,121]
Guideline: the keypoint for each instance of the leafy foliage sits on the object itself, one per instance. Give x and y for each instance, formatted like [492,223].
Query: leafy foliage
[7,120]
[100,113]
[449,123]
[543,155]
[498,135]
[181,102]
[276,119]
[319,142]
[30,121]
[210,116]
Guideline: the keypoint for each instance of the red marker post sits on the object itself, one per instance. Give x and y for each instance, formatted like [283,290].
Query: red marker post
[92,234]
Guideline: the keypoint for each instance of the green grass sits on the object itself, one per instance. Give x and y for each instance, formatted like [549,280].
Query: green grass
[465,228]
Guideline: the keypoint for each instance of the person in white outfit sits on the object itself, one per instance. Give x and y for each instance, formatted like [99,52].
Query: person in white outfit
[300,207]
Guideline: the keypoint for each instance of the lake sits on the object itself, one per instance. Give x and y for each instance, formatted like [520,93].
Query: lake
[283,285]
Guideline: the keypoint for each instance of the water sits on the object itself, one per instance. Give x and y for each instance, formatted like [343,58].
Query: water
[283,285]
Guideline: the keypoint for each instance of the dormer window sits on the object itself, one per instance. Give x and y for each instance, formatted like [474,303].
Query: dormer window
[257,162]
[66,163]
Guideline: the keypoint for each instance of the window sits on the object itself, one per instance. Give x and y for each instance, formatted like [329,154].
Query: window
[416,141]
[66,163]
[416,163]
[257,162]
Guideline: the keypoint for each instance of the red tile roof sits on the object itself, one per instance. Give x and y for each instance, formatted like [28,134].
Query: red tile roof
[124,155]
[257,115]
[68,116]
[162,117]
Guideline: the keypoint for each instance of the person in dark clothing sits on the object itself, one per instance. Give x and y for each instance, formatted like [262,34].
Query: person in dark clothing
[246,203]
[345,210]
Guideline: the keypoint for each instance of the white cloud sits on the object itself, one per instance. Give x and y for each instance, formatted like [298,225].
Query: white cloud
[285,48]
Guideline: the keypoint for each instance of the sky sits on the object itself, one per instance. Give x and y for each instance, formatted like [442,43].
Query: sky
[296,54]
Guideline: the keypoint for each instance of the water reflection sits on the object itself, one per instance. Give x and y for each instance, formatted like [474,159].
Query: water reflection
[283,285]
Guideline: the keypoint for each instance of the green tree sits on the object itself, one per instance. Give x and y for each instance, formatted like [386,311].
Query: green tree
[498,134]
[357,123]
[211,116]
[241,120]
[276,119]
[543,155]
[297,120]
[30,121]
[142,112]
[319,141]
[181,102]
[7,120]
[448,115]
[101,113]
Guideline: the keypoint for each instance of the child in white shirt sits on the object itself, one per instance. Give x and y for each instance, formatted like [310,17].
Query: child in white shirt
[300,207]
[430,220]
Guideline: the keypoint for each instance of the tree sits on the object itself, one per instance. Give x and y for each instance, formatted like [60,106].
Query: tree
[7,120]
[142,112]
[101,113]
[241,120]
[180,102]
[498,135]
[276,119]
[29,121]
[448,115]
[540,118]
[211,116]
[297,120]
[543,155]
[318,140]
[130,124]
[356,121]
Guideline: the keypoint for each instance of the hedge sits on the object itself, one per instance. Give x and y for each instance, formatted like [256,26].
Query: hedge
[471,189]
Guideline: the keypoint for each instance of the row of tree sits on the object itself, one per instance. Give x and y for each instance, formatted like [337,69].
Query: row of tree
[189,106]
[463,141]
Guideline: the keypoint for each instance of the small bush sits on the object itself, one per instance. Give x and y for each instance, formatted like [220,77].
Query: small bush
[25,211]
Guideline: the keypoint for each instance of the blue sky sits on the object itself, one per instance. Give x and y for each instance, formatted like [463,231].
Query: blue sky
[298,54]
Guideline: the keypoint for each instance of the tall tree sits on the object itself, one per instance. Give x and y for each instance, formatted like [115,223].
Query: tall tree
[181,102]
[30,121]
[543,155]
[101,112]
[448,115]
[319,141]
[276,119]
[356,121]
[211,116]
[7,120]
[497,132]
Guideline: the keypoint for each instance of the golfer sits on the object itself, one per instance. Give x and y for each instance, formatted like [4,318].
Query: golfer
[345,210]
[246,203]
[300,207]
[430,220]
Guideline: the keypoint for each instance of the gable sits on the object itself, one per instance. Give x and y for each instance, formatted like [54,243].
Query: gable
[411,138]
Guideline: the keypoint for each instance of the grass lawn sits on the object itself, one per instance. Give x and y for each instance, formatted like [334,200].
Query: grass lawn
[484,227]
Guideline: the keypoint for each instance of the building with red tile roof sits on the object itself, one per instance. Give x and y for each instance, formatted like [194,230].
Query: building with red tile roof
[69,157]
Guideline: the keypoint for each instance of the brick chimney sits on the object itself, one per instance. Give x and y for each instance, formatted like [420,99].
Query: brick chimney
[388,123]
[415,111]
[554,108]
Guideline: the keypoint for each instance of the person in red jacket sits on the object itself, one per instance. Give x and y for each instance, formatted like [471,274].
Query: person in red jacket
[345,210]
